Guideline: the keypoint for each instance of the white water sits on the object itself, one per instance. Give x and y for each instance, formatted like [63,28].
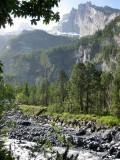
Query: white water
[22,151]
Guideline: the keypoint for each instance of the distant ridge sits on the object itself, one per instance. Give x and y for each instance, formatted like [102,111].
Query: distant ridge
[34,40]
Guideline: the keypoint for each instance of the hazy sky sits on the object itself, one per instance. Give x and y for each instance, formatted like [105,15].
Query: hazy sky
[64,7]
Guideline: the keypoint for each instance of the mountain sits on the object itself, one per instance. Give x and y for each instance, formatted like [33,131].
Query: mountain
[4,40]
[34,40]
[87,19]
[102,49]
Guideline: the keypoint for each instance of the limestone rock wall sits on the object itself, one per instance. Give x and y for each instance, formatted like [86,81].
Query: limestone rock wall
[87,19]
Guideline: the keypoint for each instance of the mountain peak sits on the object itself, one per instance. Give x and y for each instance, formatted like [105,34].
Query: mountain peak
[84,5]
[87,19]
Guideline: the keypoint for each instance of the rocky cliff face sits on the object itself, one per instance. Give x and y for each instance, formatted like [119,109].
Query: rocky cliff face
[87,19]
[68,24]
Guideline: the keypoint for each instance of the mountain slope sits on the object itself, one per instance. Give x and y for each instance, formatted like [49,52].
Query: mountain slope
[35,40]
[102,49]
[4,40]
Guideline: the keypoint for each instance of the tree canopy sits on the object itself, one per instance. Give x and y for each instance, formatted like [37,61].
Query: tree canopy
[34,9]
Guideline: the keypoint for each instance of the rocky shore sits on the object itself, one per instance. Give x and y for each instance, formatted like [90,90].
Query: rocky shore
[83,135]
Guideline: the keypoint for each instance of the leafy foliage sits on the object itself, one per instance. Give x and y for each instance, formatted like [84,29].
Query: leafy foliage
[35,9]
[4,154]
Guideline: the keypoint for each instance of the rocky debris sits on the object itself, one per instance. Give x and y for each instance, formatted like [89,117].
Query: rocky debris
[110,134]
[118,154]
[81,134]
[23,122]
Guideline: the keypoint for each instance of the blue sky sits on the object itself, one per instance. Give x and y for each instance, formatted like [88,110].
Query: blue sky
[64,7]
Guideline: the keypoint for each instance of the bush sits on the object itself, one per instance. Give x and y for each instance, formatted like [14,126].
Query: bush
[4,153]
[109,120]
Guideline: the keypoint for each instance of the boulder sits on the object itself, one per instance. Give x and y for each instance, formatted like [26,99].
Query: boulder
[94,145]
[80,142]
[107,135]
[118,154]
[81,132]
[89,124]
[112,150]
[117,136]
[25,123]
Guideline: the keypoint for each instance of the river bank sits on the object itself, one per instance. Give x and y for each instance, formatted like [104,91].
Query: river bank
[88,138]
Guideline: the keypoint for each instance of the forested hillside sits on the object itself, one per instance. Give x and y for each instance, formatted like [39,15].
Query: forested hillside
[35,40]
[102,49]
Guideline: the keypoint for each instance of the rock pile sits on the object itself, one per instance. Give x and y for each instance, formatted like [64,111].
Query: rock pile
[84,134]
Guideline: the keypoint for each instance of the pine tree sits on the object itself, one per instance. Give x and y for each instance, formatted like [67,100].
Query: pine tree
[116,93]
[77,85]
[42,94]
[32,96]
[89,82]
[25,93]
[106,91]
[92,85]
[61,91]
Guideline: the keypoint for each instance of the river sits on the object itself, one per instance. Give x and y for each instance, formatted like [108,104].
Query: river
[89,144]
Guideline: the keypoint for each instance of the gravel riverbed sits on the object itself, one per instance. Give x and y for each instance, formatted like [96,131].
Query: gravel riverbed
[88,140]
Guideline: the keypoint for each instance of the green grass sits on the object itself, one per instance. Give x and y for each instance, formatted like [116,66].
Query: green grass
[108,120]
[66,115]
[30,110]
